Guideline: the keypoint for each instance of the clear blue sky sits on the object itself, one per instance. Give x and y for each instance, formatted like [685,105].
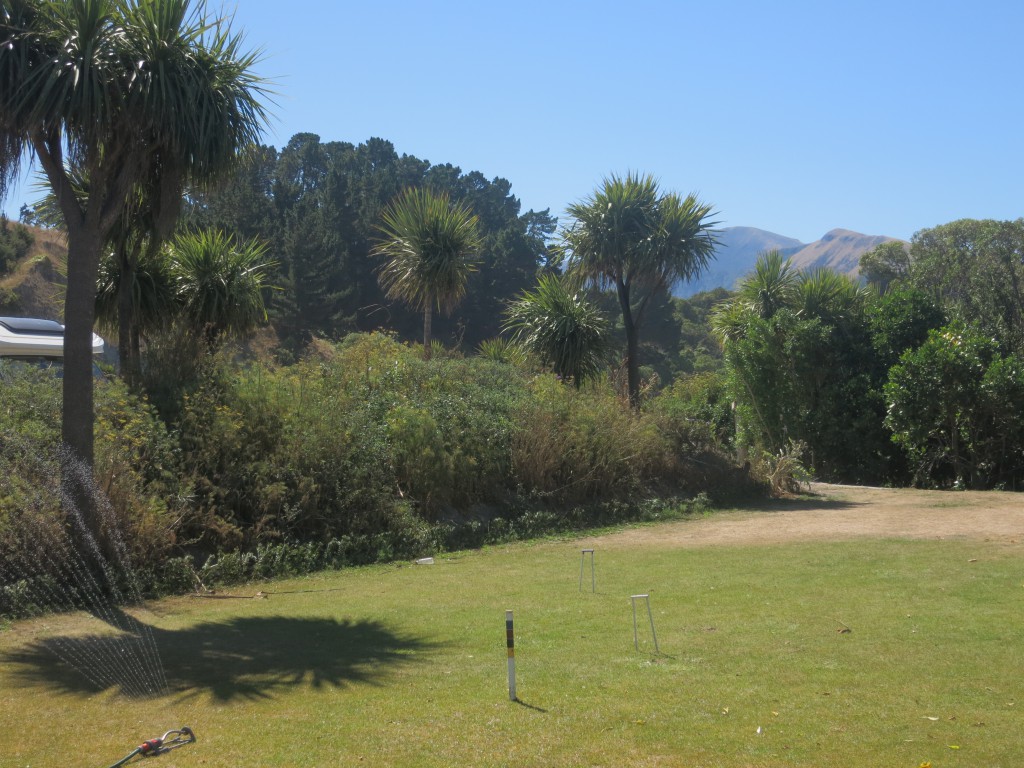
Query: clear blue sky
[796,117]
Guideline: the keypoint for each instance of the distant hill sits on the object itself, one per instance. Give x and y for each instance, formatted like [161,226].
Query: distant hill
[34,286]
[735,256]
[839,249]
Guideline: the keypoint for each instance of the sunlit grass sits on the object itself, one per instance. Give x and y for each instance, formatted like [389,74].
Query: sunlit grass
[886,653]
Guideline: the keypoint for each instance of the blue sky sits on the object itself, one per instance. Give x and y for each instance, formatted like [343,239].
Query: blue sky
[796,117]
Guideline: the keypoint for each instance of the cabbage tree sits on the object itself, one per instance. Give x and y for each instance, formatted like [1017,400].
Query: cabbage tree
[122,92]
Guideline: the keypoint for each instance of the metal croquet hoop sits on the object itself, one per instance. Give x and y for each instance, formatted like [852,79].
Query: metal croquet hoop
[153,747]
[583,558]
[650,616]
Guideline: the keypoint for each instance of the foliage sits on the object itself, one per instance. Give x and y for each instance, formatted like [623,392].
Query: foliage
[575,445]
[151,288]
[801,369]
[885,264]
[219,283]
[15,242]
[561,328]
[954,405]
[318,205]
[784,471]
[502,350]
[697,348]
[900,320]
[975,268]
[366,444]
[696,413]
[117,93]
[140,498]
[630,237]
[428,248]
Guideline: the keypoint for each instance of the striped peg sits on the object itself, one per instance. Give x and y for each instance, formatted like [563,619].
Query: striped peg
[511,643]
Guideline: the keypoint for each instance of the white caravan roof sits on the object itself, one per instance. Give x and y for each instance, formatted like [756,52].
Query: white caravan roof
[31,337]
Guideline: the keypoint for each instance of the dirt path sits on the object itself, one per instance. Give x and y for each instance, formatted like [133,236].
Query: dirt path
[838,512]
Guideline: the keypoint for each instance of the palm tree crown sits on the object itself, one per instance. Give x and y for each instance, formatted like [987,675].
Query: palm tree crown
[428,247]
[219,283]
[630,237]
[557,323]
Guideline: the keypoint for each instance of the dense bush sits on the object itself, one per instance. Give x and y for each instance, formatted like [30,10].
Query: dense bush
[360,453]
[955,406]
[138,493]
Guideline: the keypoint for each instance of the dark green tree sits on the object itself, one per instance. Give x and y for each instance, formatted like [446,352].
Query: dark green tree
[885,264]
[937,404]
[975,268]
[800,363]
[899,321]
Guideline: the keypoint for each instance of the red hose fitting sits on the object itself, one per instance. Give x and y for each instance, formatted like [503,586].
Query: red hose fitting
[150,746]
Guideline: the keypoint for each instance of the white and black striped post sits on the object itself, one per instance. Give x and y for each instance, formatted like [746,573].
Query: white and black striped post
[511,643]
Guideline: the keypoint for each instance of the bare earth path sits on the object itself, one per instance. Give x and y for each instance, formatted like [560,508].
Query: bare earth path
[836,512]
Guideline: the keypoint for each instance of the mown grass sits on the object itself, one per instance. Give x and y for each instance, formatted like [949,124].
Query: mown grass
[405,665]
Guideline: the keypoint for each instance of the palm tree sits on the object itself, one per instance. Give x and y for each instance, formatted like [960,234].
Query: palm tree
[219,284]
[123,93]
[428,246]
[630,237]
[557,324]
[145,277]
[831,296]
[773,285]
[133,292]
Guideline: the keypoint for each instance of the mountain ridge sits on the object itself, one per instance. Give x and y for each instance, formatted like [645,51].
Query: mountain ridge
[838,249]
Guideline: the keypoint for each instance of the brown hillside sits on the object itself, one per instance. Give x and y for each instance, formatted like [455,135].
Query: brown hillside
[35,287]
[839,250]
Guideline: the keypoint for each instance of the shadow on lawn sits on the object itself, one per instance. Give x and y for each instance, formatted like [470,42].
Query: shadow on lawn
[804,501]
[243,658]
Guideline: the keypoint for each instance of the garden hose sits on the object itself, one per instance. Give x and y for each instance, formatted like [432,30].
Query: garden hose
[153,747]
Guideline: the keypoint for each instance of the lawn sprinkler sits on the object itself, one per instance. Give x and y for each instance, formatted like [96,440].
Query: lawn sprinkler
[153,747]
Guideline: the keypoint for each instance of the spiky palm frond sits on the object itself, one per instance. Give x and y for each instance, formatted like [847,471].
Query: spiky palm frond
[729,320]
[501,350]
[686,240]
[149,84]
[611,227]
[154,297]
[829,295]
[220,282]
[196,85]
[772,285]
[557,324]
[428,247]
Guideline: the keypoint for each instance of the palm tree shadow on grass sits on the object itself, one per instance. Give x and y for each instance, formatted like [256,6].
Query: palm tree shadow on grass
[243,658]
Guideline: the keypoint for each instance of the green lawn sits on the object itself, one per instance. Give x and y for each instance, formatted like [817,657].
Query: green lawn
[406,665]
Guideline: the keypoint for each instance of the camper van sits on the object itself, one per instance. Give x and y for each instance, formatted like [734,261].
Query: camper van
[36,341]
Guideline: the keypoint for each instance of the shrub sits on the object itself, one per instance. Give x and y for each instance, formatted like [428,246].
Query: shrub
[575,445]
[695,414]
